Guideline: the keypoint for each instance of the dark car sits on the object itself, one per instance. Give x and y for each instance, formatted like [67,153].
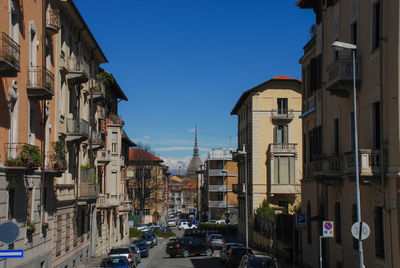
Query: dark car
[164,229]
[188,246]
[149,239]
[223,254]
[116,262]
[235,255]
[143,248]
[259,261]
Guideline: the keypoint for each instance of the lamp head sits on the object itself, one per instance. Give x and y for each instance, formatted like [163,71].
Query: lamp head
[341,46]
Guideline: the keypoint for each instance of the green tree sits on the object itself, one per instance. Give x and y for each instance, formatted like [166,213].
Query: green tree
[265,211]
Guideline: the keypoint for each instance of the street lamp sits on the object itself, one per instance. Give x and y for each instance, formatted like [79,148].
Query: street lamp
[342,46]
[244,154]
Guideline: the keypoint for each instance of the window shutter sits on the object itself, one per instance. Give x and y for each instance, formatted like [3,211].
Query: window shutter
[275,133]
[285,134]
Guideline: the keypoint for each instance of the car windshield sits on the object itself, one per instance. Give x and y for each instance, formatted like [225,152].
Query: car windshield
[262,263]
[113,262]
[119,251]
[147,236]
[140,243]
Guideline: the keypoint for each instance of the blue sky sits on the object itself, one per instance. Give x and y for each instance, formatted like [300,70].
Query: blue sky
[186,62]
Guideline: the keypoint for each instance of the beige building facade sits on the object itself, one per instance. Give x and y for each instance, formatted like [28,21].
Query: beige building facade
[328,185]
[268,127]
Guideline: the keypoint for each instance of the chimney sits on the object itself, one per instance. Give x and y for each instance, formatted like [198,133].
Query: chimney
[180,170]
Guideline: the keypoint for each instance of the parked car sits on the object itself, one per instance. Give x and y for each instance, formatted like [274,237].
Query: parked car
[208,234]
[136,252]
[186,225]
[164,229]
[125,252]
[221,222]
[155,239]
[259,261]
[188,246]
[149,240]
[216,241]
[143,228]
[171,223]
[223,254]
[143,248]
[235,255]
[116,262]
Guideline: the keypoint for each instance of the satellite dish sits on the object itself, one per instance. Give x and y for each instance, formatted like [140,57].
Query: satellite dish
[9,232]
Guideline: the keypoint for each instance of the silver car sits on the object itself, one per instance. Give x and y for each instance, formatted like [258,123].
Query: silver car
[216,241]
[136,252]
[126,252]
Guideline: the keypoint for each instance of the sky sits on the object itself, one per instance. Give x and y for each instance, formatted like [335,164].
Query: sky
[187,62]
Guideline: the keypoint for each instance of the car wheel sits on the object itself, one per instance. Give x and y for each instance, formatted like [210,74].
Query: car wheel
[185,253]
[209,252]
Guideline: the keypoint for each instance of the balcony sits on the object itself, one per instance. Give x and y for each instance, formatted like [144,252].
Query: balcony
[97,140]
[126,206]
[77,129]
[108,201]
[101,201]
[40,83]
[55,159]
[282,115]
[77,69]
[217,172]
[53,24]
[237,188]
[87,187]
[114,119]
[340,75]
[22,156]
[217,204]
[368,162]
[218,188]
[103,156]
[9,56]
[283,148]
[98,92]
[327,168]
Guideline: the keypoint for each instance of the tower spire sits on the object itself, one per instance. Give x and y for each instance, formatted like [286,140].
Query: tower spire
[196,148]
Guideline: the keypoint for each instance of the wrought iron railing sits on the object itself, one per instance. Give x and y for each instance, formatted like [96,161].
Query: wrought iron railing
[22,155]
[9,50]
[87,187]
[53,19]
[40,77]
[77,126]
[77,64]
[283,147]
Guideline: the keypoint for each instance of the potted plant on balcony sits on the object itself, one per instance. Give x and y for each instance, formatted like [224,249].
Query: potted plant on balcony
[30,156]
[13,162]
[60,150]
[13,59]
[105,78]
[30,228]
[45,226]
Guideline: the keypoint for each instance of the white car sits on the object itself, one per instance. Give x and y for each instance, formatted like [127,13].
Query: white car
[171,223]
[221,222]
[186,225]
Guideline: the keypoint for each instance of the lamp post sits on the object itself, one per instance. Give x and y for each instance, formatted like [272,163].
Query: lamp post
[244,154]
[342,46]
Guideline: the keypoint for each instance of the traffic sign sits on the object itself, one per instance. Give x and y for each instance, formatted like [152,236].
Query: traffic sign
[301,220]
[328,229]
[12,253]
[9,232]
[360,233]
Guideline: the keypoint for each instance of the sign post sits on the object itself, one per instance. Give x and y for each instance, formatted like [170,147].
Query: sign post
[327,231]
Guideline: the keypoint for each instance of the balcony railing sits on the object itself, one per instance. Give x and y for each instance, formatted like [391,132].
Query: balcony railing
[9,55]
[55,161]
[78,69]
[52,21]
[217,204]
[97,140]
[103,156]
[22,155]
[40,82]
[340,75]
[282,114]
[114,119]
[217,172]
[218,188]
[368,162]
[326,165]
[98,91]
[283,148]
[126,206]
[87,187]
[77,127]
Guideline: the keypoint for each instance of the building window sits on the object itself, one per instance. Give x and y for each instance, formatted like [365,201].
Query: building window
[354,219]
[281,134]
[379,235]
[376,125]
[220,164]
[336,139]
[114,142]
[284,170]
[309,234]
[220,196]
[376,25]
[338,224]
[282,105]
[11,200]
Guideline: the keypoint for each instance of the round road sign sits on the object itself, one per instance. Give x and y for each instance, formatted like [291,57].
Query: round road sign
[360,233]
[9,232]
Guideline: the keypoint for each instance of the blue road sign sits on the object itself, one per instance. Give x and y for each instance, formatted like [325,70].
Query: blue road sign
[301,220]
[9,232]
[12,253]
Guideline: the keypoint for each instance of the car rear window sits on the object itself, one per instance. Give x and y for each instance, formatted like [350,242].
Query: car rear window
[262,263]
[113,262]
[119,251]
[217,237]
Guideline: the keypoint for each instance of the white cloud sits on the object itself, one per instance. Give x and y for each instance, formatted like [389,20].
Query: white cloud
[192,129]
[146,137]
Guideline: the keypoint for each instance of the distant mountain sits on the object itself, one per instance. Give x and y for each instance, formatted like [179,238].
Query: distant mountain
[174,163]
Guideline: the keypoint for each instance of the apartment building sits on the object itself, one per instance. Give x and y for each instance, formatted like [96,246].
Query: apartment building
[147,176]
[175,194]
[53,127]
[328,185]
[268,127]
[220,182]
